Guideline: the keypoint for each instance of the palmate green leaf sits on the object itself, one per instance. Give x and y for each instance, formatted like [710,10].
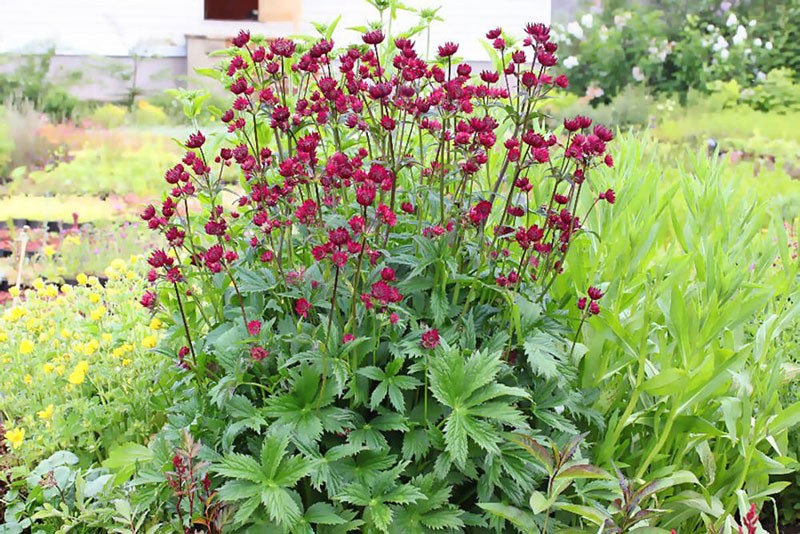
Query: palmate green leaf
[280,505]
[375,495]
[329,469]
[323,513]
[543,355]
[466,387]
[235,490]
[302,412]
[415,444]
[431,514]
[240,466]
[270,480]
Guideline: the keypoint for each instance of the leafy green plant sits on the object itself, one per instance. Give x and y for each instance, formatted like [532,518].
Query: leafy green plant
[676,352]
[383,339]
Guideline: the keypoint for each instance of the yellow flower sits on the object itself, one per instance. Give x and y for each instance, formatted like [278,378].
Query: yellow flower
[83,366]
[156,323]
[26,347]
[133,259]
[94,298]
[47,413]
[66,289]
[3,337]
[60,370]
[91,347]
[15,437]
[118,264]
[76,377]
[14,291]
[149,342]
[38,284]
[51,291]
[81,279]
[130,275]
[93,281]
[126,361]
[48,367]
[28,379]
[66,334]
[98,313]
[107,338]
[49,250]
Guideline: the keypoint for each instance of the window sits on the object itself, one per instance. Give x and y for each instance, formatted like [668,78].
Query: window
[231,9]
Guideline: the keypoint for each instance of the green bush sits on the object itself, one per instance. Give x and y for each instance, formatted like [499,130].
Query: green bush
[687,379]
[109,116]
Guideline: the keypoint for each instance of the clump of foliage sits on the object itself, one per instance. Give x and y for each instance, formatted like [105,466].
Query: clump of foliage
[77,370]
[365,327]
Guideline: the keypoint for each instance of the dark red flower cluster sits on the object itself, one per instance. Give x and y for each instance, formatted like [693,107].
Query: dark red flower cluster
[346,158]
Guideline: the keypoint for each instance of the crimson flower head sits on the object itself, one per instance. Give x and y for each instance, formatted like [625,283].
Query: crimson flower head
[562,81]
[594,293]
[259,353]
[489,76]
[302,307]
[195,140]
[480,212]
[594,308]
[539,32]
[148,300]
[430,339]
[365,195]
[609,196]
[493,34]
[149,212]
[348,338]
[448,49]
[374,37]
[282,47]
[582,303]
[242,39]
[254,328]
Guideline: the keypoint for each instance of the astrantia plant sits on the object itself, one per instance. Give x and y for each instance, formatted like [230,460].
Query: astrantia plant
[365,325]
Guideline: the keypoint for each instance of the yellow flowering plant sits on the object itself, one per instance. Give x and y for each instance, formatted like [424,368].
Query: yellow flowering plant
[77,366]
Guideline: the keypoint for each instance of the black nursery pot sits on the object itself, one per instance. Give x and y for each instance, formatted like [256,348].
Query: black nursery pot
[54,227]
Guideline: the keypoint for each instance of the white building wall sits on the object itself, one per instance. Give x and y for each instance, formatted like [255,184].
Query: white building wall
[90,35]
[159,27]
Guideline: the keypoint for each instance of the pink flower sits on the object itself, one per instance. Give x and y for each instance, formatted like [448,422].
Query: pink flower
[594,293]
[254,328]
[302,307]
[195,140]
[242,39]
[348,338]
[609,196]
[582,303]
[430,339]
[374,37]
[259,353]
[148,300]
[448,49]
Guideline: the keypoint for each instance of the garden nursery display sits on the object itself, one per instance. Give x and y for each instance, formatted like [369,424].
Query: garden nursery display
[382,290]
